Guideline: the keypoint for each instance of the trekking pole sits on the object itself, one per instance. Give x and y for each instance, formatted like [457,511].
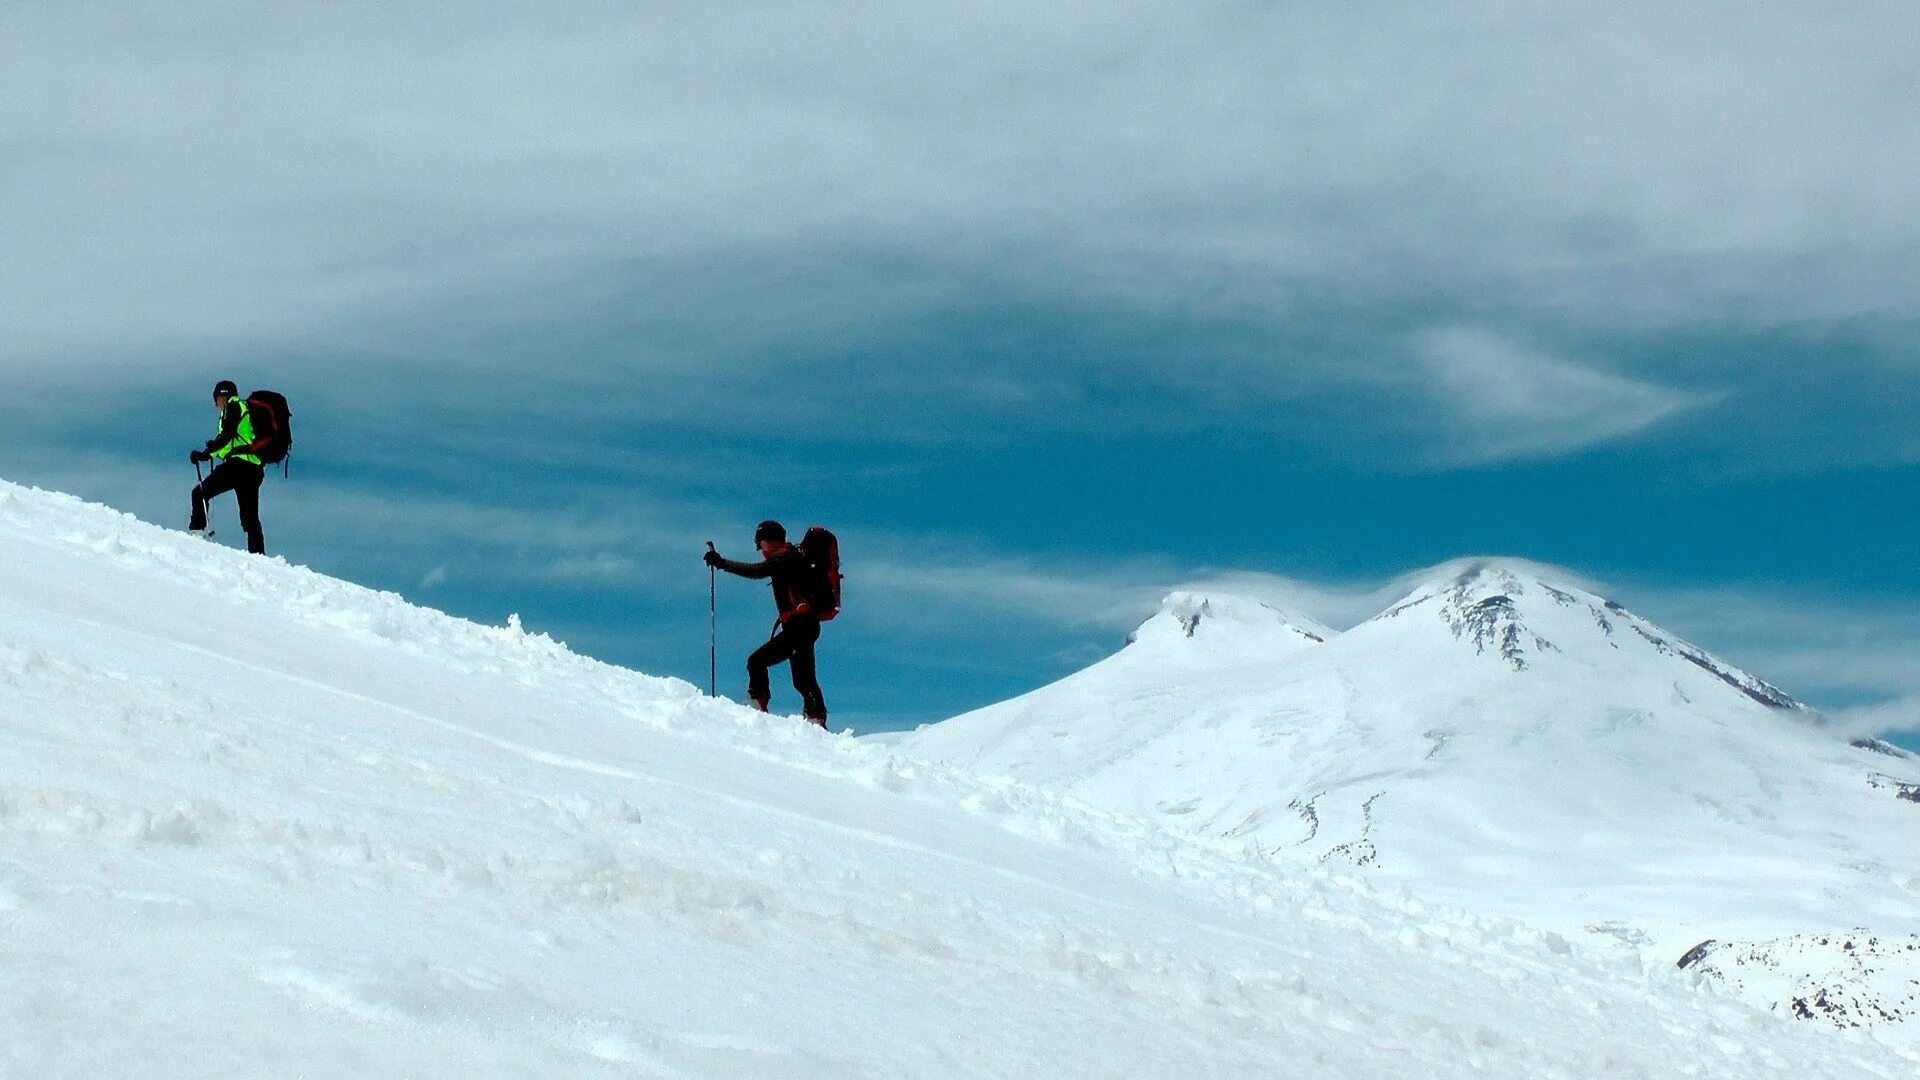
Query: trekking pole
[713,631]
[198,481]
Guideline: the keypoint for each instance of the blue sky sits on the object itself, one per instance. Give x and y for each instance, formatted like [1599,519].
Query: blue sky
[1045,312]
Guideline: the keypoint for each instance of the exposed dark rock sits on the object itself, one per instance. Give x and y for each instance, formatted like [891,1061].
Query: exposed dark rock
[1662,644]
[1308,814]
[1605,624]
[1879,746]
[1360,850]
[1849,981]
[1494,622]
[1901,789]
[1697,953]
[1758,689]
[1395,611]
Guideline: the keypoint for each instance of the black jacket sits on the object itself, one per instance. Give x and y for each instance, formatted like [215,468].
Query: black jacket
[791,574]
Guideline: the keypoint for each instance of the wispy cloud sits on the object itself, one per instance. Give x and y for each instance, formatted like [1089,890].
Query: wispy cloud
[1499,400]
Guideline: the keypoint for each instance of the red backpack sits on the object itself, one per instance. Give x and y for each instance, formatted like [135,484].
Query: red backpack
[272,427]
[821,549]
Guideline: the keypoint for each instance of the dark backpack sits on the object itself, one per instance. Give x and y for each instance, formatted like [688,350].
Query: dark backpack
[272,427]
[821,549]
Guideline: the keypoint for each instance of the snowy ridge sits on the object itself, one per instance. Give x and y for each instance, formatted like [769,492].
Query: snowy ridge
[366,839]
[1503,740]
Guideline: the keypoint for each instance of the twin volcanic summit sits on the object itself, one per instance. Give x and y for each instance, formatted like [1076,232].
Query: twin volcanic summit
[1505,741]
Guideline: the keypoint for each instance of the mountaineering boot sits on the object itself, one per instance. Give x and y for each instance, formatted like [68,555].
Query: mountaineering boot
[204,534]
[759,703]
[819,721]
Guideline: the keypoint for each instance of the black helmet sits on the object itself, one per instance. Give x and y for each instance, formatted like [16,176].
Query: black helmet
[225,386]
[770,530]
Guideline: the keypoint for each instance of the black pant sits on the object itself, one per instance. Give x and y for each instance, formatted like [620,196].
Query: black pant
[243,479]
[792,641]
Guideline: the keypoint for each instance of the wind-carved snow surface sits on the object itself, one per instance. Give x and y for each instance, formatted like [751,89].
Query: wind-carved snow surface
[1505,741]
[255,822]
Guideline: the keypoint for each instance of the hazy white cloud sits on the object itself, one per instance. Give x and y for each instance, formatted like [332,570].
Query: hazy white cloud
[1500,400]
[924,579]
[1898,716]
[1336,604]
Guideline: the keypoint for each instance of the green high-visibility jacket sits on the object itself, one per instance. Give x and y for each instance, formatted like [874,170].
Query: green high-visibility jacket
[235,435]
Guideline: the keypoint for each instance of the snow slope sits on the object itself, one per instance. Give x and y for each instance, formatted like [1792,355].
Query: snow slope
[1502,740]
[255,822]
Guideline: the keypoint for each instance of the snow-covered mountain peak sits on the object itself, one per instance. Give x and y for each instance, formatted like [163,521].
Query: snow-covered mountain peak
[1523,615]
[1204,626]
[1491,590]
[1504,723]
[1484,603]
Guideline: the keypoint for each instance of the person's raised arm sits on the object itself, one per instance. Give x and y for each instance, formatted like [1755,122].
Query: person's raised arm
[738,569]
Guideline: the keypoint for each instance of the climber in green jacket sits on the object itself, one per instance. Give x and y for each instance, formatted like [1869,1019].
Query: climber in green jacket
[239,471]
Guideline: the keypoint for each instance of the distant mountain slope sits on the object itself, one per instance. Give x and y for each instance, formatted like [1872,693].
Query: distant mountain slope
[1502,739]
[256,822]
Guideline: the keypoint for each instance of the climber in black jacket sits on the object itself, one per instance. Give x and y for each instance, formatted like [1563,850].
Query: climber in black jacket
[794,588]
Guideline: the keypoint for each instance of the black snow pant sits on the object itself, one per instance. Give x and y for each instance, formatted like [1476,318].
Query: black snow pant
[792,642]
[243,478]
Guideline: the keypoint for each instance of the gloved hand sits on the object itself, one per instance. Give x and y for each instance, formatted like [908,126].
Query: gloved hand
[712,558]
[212,445]
[199,456]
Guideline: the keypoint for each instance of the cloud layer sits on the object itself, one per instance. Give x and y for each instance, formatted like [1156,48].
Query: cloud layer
[343,184]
